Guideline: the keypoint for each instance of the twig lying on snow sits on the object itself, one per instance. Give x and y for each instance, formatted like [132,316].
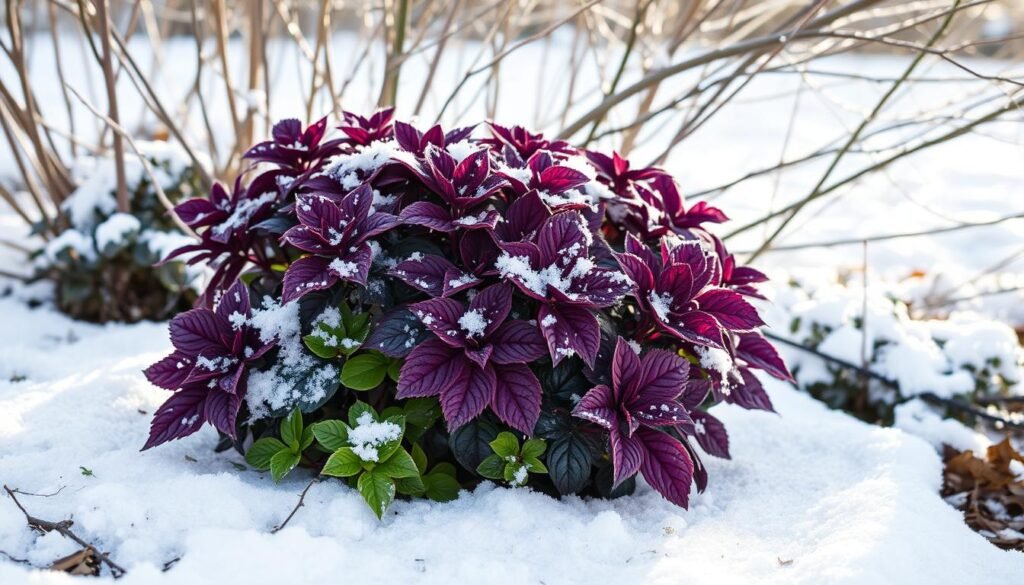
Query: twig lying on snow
[299,504]
[64,529]
[953,403]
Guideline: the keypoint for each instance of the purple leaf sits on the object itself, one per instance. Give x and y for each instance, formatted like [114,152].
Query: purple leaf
[517,342]
[170,373]
[517,398]
[570,330]
[234,302]
[627,455]
[221,410]
[562,238]
[408,137]
[710,434]
[424,272]
[353,267]
[699,328]
[667,466]
[493,304]
[730,309]
[468,395]
[428,215]
[754,349]
[429,370]
[663,376]
[442,317]
[198,332]
[179,416]
[626,368]
[306,275]
[598,406]
[638,272]
[750,394]
[695,392]
[560,179]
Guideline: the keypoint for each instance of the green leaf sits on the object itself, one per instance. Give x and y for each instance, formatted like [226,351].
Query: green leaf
[365,371]
[533,448]
[419,456]
[445,468]
[534,465]
[506,444]
[282,463]
[411,486]
[319,347]
[422,412]
[357,409]
[441,487]
[378,490]
[259,454]
[398,465]
[394,369]
[342,463]
[386,450]
[307,439]
[569,463]
[493,467]
[291,430]
[331,434]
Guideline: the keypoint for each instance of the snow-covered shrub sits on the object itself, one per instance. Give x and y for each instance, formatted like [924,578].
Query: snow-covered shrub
[103,263]
[967,355]
[417,310]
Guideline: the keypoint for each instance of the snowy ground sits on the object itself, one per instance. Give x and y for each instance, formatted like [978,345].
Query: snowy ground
[811,496]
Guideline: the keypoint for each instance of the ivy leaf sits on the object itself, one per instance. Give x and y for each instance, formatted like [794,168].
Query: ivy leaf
[569,463]
[291,430]
[343,463]
[493,467]
[471,442]
[378,490]
[533,448]
[307,439]
[505,445]
[399,465]
[441,487]
[259,454]
[331,434]
[282,463]
[365,371]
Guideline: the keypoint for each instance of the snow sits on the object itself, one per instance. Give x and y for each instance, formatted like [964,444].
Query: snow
[473,322]
[861,510]
[276,389]
[116,229]
[343,268]
[243,212]
[369,435]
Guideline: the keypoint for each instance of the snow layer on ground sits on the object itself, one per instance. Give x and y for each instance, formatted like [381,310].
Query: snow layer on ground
[844,501]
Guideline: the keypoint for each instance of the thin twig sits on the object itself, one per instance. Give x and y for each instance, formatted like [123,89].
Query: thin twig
[64,529]
[299,504]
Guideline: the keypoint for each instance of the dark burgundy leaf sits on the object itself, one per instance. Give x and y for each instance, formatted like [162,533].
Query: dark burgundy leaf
[667,466]
[517,342]
[468,395]
[517,398]
[430,369]
[730,309]
[180,416]
[710,434]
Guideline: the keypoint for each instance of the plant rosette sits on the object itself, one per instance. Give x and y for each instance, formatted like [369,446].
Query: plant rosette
[414,312]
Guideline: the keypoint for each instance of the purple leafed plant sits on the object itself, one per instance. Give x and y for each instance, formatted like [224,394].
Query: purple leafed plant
[464,294]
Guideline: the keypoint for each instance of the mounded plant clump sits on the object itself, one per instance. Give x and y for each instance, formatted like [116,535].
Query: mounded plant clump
[104,264]
[415,311]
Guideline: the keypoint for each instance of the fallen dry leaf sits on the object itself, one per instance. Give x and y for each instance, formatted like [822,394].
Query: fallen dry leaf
[988,491]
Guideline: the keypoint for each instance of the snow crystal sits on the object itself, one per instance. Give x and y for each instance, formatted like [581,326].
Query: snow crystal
[70,239]
[539,280]
[368,435]
[548,320]
[715,360]
[519,478]
[343,268]
[473,322]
